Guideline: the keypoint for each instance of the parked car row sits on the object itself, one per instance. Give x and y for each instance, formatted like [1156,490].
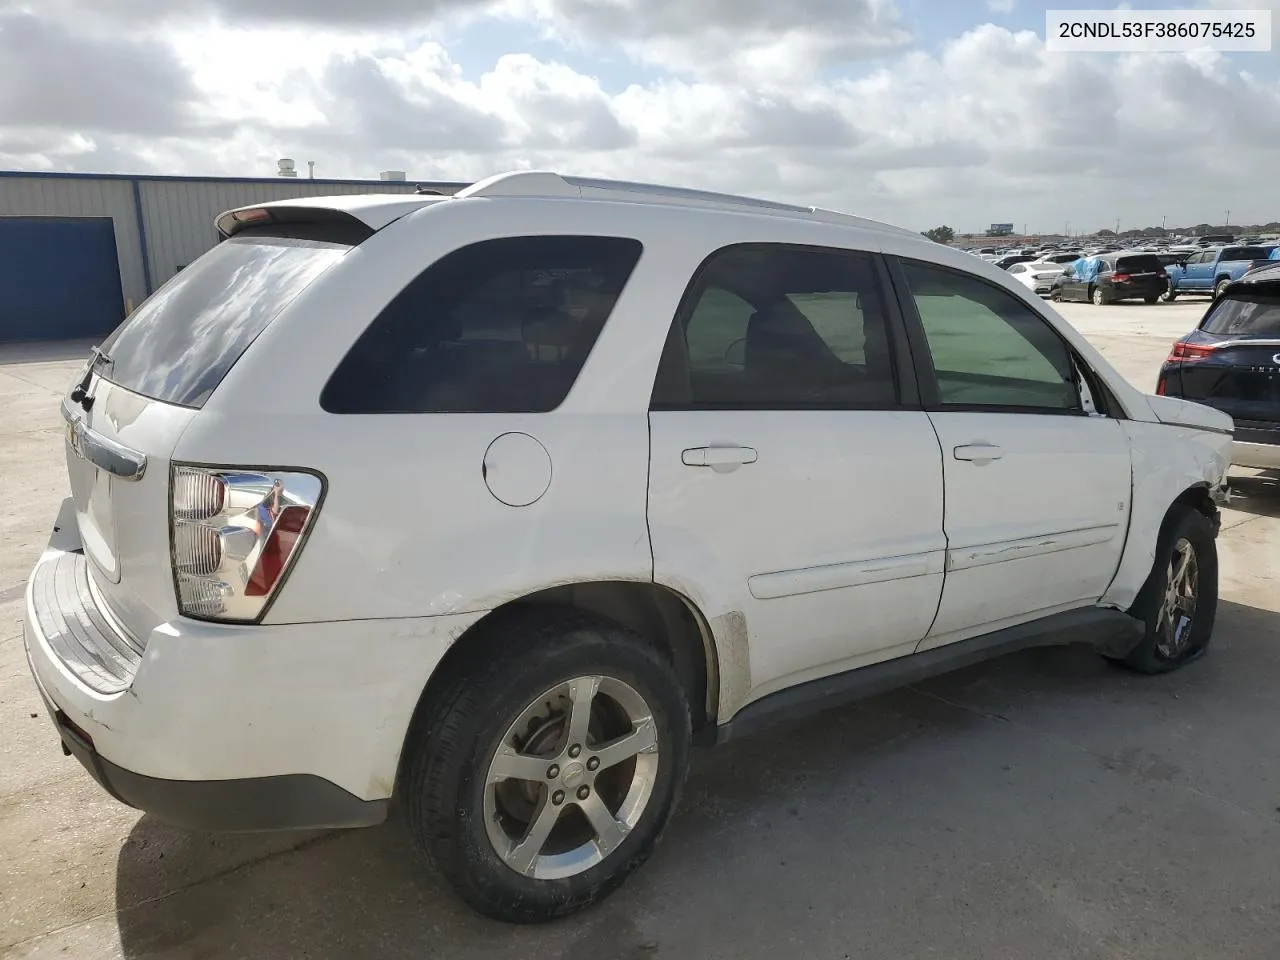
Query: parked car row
[1147,275]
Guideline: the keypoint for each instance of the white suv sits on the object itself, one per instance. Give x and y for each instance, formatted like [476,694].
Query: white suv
[496,503]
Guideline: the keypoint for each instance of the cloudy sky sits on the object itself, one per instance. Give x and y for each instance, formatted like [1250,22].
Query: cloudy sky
[915,111]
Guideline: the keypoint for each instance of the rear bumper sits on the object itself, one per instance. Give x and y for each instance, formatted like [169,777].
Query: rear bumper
[1125,291]
[287,802]
[1262,456]
[229,727]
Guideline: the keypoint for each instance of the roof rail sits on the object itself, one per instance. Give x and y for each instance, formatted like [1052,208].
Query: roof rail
[539,183]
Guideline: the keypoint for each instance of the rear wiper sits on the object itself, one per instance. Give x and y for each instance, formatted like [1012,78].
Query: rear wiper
[80,394]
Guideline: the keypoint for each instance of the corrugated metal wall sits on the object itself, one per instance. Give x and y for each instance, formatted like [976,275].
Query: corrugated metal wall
[179,213]
[74,197]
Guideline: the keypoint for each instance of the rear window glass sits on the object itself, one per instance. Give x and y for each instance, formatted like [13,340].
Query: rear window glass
[501,326]
[1245,315]
[184,338]
[1146,263]
[1246,253]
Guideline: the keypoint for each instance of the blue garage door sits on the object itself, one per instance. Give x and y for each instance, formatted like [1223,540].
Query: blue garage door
[59,278]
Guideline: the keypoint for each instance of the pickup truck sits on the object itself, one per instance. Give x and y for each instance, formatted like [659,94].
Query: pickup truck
[1211,270]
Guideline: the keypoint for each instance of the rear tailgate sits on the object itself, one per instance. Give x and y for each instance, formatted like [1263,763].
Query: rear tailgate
[118,465]
[154,375]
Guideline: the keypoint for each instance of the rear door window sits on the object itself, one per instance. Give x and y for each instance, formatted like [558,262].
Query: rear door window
[777,327]
[1245,315]
[180,343]
[501,326]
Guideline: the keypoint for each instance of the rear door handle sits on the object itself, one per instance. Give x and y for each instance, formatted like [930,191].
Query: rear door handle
[979,452]
[722,457]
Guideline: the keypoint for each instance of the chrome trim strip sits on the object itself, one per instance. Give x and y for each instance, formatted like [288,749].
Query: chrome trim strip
[986,553]
[104,453]
[1246,343]
[834,576]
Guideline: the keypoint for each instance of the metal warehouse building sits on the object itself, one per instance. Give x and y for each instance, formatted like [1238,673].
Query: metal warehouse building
[79,251]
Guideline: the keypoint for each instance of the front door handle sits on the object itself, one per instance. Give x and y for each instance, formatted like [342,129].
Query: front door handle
[720,458]
[979,453]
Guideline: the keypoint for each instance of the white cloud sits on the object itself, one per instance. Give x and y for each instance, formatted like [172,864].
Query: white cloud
[758,42]
[991,127]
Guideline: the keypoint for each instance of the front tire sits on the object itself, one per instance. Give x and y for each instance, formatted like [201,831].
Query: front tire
[1097,297]
[1221,288]
[543,774]
[1179,601]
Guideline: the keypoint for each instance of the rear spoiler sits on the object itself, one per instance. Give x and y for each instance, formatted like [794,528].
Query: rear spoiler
[334,223]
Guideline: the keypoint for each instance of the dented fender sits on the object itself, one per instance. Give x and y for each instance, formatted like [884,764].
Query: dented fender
[1168,460]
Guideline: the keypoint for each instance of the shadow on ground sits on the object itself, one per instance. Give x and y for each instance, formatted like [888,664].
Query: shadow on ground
[982,804]
[1258,494]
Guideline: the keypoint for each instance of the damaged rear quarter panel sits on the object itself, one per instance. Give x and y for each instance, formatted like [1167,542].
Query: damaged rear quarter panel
[1167,461]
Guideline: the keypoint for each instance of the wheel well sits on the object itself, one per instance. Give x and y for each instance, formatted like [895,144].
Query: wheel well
[1197,498]
[661,616]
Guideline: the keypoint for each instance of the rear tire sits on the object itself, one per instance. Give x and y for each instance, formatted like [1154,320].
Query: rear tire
[1221,288]
[528,808]
[1179,601]
[1169,295]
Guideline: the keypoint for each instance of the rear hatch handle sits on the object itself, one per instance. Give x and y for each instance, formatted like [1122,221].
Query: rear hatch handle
[103,452]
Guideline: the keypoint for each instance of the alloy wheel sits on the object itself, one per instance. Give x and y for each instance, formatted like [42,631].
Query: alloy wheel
[1178,610]
[571,777]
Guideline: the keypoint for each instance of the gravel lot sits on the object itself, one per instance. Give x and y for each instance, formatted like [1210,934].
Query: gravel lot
[1045,805]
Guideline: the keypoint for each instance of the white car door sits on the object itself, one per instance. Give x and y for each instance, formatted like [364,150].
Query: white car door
[1038,482]
[790,487]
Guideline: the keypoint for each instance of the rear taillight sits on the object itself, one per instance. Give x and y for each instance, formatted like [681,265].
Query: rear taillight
[1184,352]
[1121,277]
[235,535]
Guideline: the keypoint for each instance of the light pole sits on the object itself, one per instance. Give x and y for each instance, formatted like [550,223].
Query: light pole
[1228,223]
[1164,217]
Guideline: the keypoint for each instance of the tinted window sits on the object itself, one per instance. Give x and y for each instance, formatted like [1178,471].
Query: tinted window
[988,347]
[181,342]
[502,326]
[776,327]
[1246,253]
[1245,315]
[1144,263]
